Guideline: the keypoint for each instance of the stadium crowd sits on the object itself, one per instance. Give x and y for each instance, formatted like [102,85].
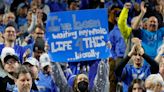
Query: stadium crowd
[136,39]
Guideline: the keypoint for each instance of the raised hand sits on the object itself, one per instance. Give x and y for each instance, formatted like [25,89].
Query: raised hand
[133,51]
[140,50]
[143,8]
[136,41]
[127,5]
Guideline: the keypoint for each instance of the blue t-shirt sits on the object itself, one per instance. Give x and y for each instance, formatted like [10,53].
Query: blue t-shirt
[152,40]
[130,73]
[19,50]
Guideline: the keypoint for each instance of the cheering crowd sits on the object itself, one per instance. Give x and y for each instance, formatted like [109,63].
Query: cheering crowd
[135,39]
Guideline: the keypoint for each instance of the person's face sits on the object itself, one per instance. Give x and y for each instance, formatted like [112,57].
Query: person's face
[82,83]
[152,24]
[153,87]
[38,53]
[34,70]
[10,17]
[73,6]
[11,65]
[39,2]
[10,34]
[137,60]
[39,33]
[137,88]
[23,12]
[82,77]
[48,69]
[24,82]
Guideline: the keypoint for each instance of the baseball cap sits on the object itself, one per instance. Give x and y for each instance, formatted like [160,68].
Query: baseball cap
[44,60]
[9,57]
[32,61]
[22,6]
[39,45]
[7,53]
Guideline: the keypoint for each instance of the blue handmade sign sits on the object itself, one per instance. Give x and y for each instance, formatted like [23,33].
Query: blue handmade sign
[77,35]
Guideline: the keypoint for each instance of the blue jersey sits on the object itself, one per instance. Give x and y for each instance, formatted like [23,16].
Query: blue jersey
[19,50]
[130,73]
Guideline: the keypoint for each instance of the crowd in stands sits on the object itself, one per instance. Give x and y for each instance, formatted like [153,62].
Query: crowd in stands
[136,38]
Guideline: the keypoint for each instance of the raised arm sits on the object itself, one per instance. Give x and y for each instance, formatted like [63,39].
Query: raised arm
[33,23]
[101,82]
[160,53]
[154,67]
[122,21]
[139,18]
[59,78]
[121,65]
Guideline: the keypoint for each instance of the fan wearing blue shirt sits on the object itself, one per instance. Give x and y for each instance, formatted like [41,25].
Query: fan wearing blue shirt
[38,35]
[9,38]
[127,72]
[151,38]
[45,82]
[23,79]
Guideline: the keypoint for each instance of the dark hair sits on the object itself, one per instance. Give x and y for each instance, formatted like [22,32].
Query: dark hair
[40,27]
[21,70]
[39,44]
[70,1]
[140,82]
[11,24]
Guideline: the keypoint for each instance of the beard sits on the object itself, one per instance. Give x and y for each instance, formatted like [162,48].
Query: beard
[26,88]
[11,40]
